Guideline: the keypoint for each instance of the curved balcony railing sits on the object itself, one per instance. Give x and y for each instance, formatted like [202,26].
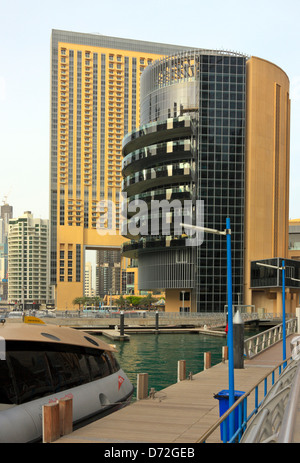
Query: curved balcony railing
[169,193]
[154,222]
[156,132]
[152,243]
[160,175]
[166,150]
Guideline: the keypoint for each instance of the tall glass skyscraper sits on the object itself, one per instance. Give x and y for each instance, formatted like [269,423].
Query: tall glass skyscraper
[211,125]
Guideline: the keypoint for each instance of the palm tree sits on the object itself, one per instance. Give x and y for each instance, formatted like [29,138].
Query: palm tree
[121,302]
[148,300]
[79,301]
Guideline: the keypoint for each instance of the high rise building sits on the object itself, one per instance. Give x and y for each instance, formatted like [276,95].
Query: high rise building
[95,88]
[6,213]
[109,272]
[215,128]
[88,280]
[28,260]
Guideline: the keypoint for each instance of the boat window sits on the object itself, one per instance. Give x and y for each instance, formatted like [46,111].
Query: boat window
[7,391]
[113,362]
[99,366]
[34,370]
[31,373]
[67,369]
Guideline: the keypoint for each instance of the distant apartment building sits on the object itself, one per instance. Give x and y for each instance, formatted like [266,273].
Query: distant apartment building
[3,251]
[28,260]
[88,280]
[3,263]
[108,272]
[6,213]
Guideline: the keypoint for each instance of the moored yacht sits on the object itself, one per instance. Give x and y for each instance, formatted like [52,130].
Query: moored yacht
[42,363]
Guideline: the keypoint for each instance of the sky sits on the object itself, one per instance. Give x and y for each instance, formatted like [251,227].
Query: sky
[268,29]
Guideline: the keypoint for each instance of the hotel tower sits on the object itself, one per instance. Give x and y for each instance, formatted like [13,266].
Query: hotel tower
[95,88]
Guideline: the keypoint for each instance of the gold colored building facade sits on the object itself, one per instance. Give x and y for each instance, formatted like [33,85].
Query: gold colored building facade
[94,102]
[267,178]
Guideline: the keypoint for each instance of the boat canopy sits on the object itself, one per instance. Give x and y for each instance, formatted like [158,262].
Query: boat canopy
[52,334]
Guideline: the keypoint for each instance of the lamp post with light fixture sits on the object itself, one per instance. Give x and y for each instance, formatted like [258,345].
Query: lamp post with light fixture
[227,233]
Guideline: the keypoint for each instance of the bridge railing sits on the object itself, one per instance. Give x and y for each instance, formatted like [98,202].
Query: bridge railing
[276,418]
[289,431]
[256,344]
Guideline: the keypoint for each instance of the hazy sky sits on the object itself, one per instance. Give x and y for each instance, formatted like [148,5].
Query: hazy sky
[268,29]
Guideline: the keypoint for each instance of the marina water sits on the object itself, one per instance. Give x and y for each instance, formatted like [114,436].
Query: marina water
[158,355]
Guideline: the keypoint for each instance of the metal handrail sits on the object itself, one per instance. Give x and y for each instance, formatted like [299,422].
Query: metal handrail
[266,425]
[241,403]
[256,344]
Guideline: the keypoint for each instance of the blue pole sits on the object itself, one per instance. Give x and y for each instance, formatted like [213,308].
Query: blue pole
[283,315]
[230,328]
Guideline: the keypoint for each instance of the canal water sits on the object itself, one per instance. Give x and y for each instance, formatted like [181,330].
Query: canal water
[158,355]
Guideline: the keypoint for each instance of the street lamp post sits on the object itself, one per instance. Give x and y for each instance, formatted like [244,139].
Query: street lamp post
[227,233]
[230,326]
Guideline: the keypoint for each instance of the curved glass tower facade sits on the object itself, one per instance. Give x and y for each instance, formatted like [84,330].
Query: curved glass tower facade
[190,147]
[159,170]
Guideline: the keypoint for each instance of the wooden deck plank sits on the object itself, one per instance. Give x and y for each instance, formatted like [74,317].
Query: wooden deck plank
[180,413]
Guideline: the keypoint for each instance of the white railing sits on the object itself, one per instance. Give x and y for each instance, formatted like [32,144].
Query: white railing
[277,415]
[256,344]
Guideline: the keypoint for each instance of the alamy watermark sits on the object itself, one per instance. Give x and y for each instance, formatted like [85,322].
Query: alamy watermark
[138,217]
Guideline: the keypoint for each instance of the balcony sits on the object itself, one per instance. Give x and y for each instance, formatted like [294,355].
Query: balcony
[156,132]
[162,152]
[132,248]
[156,176]
[267,273]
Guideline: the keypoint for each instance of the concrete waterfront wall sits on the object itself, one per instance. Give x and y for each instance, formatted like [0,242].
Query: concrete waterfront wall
[111,322]
[203,320]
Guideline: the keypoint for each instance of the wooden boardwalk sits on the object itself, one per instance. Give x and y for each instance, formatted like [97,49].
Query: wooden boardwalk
[180,413]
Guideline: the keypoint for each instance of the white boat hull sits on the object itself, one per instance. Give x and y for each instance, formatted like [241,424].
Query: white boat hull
[23,423]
